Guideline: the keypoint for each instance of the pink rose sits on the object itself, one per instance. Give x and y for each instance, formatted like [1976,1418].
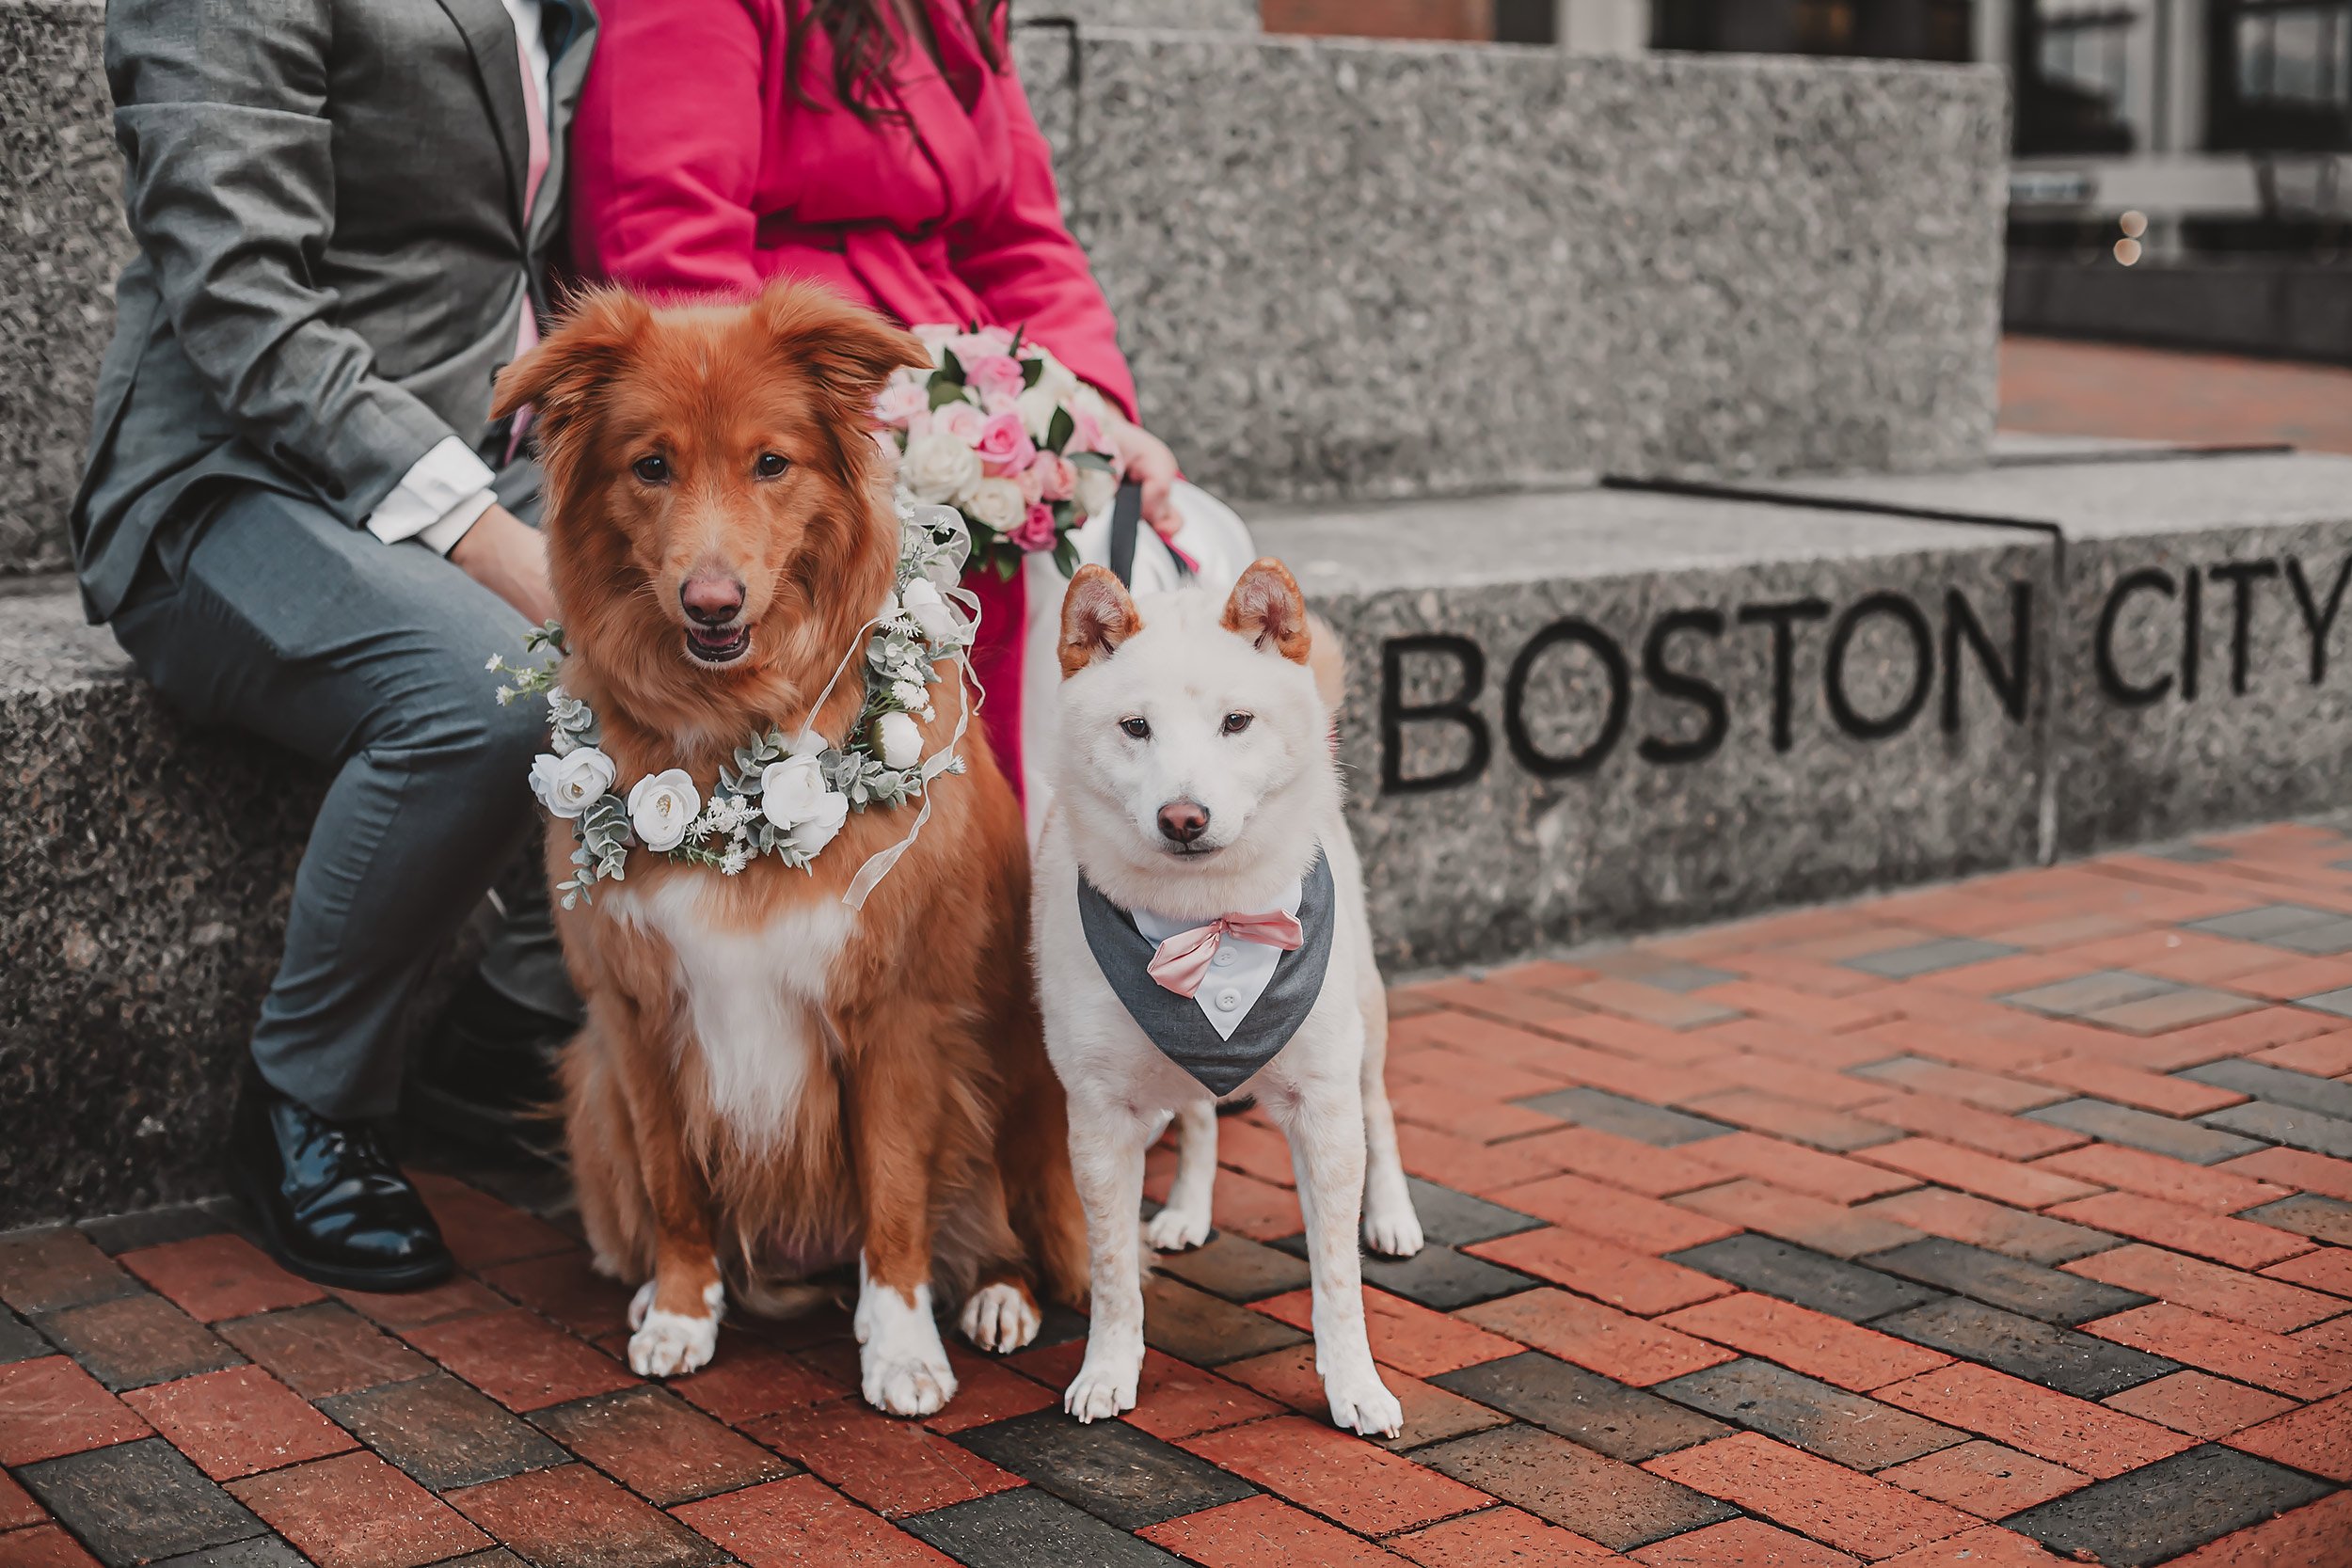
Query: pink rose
[1058,477]
[961,420]
[1032,480]
[996,378]
[1036,531]
[1088,435]
[1004,444]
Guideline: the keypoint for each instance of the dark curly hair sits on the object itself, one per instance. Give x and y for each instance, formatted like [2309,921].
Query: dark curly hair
[865,49]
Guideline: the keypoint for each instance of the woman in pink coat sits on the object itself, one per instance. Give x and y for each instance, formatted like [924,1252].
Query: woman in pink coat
[884,147]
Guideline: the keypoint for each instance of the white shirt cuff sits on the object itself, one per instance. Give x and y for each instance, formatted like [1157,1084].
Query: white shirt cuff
[438,499]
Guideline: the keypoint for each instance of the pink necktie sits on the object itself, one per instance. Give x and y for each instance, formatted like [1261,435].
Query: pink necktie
[536,117]
[1181,962]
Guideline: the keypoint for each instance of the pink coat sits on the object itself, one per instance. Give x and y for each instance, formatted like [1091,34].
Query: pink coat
[695,167]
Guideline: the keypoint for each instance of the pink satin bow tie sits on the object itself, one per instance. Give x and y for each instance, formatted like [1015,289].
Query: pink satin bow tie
[1181,962]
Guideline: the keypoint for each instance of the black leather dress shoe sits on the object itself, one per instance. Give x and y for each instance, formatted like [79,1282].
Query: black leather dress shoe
[332,1206]
[486,1072]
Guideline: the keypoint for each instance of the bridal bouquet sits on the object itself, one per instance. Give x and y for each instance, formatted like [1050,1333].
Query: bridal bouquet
[1002,431]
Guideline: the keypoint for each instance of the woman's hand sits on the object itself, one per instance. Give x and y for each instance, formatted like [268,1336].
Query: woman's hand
[1150,463]
[508,556]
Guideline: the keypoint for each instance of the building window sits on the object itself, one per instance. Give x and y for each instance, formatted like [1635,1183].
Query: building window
[2076,79]
[2283,80]
[1893,29]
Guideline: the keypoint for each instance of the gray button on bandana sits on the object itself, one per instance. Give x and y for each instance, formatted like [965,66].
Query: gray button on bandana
[1223,1059]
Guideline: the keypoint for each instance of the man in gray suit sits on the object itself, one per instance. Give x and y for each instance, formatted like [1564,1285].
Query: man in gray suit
[301,522]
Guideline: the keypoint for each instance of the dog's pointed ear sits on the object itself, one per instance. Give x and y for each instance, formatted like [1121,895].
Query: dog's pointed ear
[1267,608]
[559,378]
[1096,617]
[847,350]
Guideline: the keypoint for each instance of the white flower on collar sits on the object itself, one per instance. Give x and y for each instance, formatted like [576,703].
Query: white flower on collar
[662,807]
[570,784]
[794,791]
[930,610]
[821,829]
[898,740]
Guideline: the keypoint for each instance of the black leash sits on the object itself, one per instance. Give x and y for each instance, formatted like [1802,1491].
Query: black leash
[1127,529]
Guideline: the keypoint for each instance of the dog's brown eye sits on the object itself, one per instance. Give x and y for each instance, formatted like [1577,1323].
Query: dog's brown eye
[1236,722]
[651,470]
[771,465]
[1139,728]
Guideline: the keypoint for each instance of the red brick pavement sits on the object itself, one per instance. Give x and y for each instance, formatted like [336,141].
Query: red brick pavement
[2069,389]
[2001,1223]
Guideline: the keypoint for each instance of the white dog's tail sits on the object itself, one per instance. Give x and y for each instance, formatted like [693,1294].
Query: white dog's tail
[1329,661]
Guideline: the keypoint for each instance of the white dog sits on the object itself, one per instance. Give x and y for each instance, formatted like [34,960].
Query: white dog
[1201,932]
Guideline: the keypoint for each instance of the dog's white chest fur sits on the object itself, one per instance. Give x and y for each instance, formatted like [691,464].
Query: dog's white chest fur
[751,996]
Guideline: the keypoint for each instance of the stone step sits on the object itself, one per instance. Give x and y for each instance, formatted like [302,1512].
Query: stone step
[1581,714]
[2201,635]
[144,877]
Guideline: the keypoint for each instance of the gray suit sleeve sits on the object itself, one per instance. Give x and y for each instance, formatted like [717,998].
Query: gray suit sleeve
[229,187]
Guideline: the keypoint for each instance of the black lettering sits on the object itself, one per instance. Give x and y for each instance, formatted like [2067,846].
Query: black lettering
[2316,622]
[1841,636]
[2192,631]
[2241,575]
[2009,682]
[2111,681]
[1671,682]
[1544,765]
[1456,709]
[1782,619]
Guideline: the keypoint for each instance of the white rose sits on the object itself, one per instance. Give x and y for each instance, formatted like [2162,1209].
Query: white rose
[930,609]
[570,784]
[1058,380]
[996,503]
[821,829]
[1038,407]
[938,468]
[1097,489]
[662,807]
[898,740]
[791,791]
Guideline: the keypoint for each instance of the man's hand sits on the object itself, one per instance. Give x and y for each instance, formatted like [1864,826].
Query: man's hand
[508,556]
[1151,464]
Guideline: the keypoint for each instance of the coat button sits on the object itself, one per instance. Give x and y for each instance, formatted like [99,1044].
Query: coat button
[1223,958]
[1227,999]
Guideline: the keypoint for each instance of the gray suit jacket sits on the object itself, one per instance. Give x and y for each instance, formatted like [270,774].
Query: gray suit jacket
[327,198]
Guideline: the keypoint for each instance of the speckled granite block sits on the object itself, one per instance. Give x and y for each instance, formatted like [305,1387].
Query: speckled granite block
[144,880]
[1206,16]
[62,240]
[1580,714]
[1348,268]
[2205,649]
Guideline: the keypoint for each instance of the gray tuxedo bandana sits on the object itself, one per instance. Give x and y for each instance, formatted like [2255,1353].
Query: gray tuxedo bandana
[1174,1023]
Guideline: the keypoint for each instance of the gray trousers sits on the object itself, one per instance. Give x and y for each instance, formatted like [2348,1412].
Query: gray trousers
[276,619]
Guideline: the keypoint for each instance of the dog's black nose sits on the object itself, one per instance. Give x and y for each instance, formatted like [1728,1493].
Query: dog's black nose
[1181,821]
[711,601]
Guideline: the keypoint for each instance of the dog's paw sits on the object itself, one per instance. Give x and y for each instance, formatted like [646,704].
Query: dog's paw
[1176,1229]
[902,1365]
[906,1384]
[1000,1317]
[1102,1390]
[671,1344]
[1394,1232]
[641,1303]
[1361,1403]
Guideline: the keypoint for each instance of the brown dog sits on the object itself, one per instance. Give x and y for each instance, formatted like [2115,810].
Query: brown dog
[770,1081]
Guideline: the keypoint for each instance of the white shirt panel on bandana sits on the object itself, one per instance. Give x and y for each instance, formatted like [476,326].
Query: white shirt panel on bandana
[1239,971]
